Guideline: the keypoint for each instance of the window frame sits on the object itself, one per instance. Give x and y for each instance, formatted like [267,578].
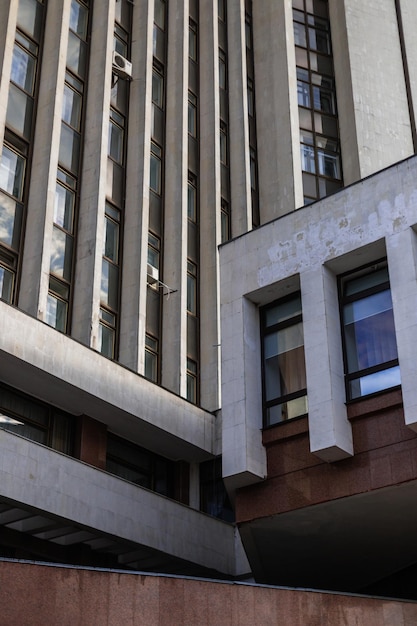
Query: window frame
[351,376]
[266,330]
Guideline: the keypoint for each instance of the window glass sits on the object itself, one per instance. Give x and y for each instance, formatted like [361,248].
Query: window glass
[159,17]
[23,69]
[29,17]
[284,375]
[115,148]
[56,312]
[71,107]
[111,240]
[191,380]
[61,254]
[19,111]
[155,173]
[192,114]
[106,339]
[192,42]
[191,288]
[69,148]
[76,55]
[151,358]
[12,168]
[157,88]
[64,207]
[192,202]
[6,284]
[369,334]
[109,284]
[11,213]
[78,19]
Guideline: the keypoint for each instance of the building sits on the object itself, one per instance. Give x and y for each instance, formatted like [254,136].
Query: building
[205,312]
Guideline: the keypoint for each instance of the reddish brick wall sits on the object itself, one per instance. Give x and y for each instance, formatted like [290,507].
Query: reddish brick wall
[40,595]
[385,454]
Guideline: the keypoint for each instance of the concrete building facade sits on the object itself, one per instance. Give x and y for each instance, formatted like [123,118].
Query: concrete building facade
[208,288]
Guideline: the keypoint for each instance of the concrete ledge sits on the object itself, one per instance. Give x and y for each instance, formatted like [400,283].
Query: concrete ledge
[49,365]
[35,476]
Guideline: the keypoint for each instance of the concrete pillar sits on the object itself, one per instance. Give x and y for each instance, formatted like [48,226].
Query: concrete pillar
[330,431]
[209,206]
[85,322]
[279,161]
[174,320]
[135,238]
[371,92]
[408,17]
[7,36]
[240,184]
[91,441]
[402,267]
[244,457]
[40,208]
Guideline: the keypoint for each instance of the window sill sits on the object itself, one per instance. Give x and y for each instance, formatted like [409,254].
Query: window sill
[367,406]
[285,430]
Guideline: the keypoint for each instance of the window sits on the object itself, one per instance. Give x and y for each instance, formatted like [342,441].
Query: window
[284,377]
[370,349]
[151,358]
[192,41]
[191,381]
[225,220]
[223,143]
[156,168]
[191,288]
[213,495]
[139,466]
[222,70]
[24,416]
[116,139]
[192,199]
[157,88]
[316,93]
[192,114]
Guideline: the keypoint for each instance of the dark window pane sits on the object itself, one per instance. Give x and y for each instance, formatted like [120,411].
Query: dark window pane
[6,284]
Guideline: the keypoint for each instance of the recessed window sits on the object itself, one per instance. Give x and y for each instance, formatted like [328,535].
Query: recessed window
[151,358]
[370,348]
[284,376]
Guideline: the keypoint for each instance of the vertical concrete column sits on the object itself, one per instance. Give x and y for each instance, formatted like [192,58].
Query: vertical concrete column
[174,321]
[371,95]
[209,206]
[408,17]
[7,36]
[240,184]
[40,209]
[194,494]
[90,237]
[402,266]
[135,237]
[330,431]
[244,457]
[279,160]
[91,441]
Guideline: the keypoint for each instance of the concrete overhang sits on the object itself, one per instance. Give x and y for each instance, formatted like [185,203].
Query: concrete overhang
[53,497]
[348,544]
[53,367]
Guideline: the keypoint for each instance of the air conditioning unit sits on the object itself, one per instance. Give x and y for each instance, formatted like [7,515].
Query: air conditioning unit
[153,274]
[121,66]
